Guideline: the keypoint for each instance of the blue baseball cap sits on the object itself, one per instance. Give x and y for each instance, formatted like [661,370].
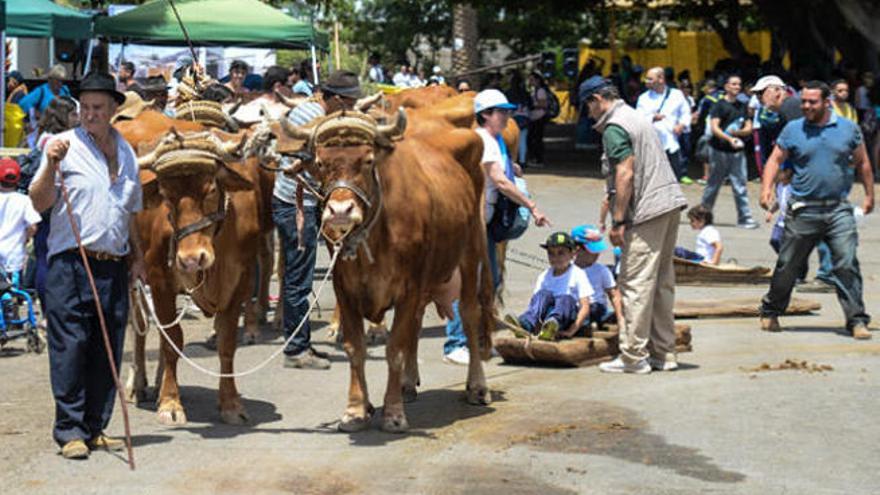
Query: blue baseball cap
[582,235]
[589,87]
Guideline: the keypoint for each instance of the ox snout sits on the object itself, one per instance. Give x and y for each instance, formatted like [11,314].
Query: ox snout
[194,261]
[341,216]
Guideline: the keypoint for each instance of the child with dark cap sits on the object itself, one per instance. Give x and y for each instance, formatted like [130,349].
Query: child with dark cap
[562,295]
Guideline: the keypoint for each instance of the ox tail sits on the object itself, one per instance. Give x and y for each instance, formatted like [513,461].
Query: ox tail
[486,299]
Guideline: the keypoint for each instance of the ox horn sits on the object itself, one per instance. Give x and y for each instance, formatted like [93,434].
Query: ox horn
[294,131]
[231,123]
[147,161]
[366,102]
[288,102]
[233,148]
[395,129]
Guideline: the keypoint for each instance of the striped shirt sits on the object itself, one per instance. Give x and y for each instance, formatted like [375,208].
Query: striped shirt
[103,209]
[285,186]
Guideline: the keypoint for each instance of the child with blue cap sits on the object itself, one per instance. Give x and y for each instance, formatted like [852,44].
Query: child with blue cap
[605,303]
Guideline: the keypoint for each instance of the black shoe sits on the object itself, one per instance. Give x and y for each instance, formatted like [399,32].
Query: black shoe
[320,354]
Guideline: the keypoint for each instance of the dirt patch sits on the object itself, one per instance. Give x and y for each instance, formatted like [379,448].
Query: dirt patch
[791,364]
[620,433]
[271,478]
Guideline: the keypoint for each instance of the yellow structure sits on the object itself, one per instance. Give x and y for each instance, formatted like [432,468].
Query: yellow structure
[696,51]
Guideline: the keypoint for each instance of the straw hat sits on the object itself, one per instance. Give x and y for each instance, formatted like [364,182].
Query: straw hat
[57,72]
[131,107]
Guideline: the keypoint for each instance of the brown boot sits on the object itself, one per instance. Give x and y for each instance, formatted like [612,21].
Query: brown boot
[102,441]
[75,449]
[860,332]
[770,324]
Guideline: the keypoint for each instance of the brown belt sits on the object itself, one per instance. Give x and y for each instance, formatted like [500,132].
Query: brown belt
[98,255]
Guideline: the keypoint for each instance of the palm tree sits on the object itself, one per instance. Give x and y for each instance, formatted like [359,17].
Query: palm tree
[464,34]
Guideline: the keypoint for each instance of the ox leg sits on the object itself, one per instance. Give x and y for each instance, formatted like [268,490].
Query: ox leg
[411,378]
[251,320]
[267,266]
[359,411]
[403,330]
[278,322]
[136,383]
[477,389]
[226,323]
[170,411]
[333,332]
[377,334]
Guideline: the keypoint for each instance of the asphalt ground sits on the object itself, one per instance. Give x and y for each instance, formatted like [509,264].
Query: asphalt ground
[714,426]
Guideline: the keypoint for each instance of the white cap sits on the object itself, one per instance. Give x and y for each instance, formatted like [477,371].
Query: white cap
[437,69]
[766,81]
[491,98]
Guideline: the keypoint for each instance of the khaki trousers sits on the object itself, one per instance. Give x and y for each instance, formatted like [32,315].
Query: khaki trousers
[647,283]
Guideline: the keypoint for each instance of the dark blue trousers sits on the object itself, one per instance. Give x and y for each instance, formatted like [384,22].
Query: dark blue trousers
[299,270]
[81,379]
[544,305]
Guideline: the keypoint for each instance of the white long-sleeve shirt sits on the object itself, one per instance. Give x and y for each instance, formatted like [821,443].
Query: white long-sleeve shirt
[675,109]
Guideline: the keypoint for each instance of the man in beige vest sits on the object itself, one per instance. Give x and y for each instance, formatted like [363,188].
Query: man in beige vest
[645,201]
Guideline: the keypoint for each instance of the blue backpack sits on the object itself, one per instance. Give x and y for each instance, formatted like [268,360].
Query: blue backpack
[510,220]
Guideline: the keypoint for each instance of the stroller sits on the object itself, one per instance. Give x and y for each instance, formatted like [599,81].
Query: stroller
[12,326]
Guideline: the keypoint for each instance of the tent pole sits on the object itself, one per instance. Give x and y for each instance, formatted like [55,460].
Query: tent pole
[3,90]
[51,53]
[314,65]
[88,64]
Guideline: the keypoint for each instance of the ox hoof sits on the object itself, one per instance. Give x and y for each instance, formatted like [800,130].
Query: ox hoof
[409,392]
[172,417]
[234,417]
[351,423]
[479,396]
[395,423]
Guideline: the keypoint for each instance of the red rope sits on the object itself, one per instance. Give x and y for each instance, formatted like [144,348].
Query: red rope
[107,347]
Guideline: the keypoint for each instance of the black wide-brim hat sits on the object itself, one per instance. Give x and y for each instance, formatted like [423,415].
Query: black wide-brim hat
[343,83]
[103,82]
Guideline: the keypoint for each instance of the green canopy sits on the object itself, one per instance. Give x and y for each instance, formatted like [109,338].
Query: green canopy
[45,19]
[211,22]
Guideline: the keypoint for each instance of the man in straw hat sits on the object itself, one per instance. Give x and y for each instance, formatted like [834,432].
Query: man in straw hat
[101,176]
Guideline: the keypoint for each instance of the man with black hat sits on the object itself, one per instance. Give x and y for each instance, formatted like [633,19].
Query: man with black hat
[101,176]
[646,202]
[340,91]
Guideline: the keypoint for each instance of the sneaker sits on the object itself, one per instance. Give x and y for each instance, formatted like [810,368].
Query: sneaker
[703,181]
[515,326]
[103,442]
[460,355]
[75,449]
[686,180]
[663,365]
[549,329]
[816,286]
[860,331]
[322,355]
[307,360]
[618,366]
[751,224]
[770,324]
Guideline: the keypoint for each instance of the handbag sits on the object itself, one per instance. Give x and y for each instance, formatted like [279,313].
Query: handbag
[507,221]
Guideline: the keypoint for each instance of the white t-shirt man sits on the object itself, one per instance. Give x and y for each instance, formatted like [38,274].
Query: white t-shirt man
[491,153]
[676,110]
[601,280]
[18,215]
[706,240]
[573,282]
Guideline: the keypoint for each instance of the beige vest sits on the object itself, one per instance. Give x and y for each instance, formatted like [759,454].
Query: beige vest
[655,188]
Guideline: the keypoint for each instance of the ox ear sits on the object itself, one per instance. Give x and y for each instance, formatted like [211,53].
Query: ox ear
[152,198]
[233,178]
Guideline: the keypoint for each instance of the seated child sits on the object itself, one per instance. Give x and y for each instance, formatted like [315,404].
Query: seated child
[709,245]
[590,244]
[19,223]
[561,298]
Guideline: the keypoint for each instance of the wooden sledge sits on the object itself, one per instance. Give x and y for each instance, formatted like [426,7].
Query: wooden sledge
[739,307]
[692,273]
[579,351]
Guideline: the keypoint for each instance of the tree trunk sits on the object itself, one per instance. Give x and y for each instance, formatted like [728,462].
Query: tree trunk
[464,38]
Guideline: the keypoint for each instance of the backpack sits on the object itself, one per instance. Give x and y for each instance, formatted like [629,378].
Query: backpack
[508,221]
[552,105]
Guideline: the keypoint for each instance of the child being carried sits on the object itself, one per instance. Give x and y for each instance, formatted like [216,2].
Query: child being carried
[562,295]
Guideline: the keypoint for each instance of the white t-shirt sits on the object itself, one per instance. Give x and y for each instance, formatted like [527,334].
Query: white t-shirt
[706,239]
[491,153]
[674,107]
[18,214]
[601,280]
[573,282]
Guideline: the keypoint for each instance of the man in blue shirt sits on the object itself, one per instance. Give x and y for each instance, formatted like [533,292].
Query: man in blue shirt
[824,151]
[42,95]
[101,176]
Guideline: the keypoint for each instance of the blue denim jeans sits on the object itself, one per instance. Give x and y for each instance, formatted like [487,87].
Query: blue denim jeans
[299,270]
[687,254]
[836,226]
[545,305]
[825,272]
[728,164]
[455,336]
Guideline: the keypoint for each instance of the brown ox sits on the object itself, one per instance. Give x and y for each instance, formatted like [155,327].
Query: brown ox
[419,97]
[190,245]
[407,215]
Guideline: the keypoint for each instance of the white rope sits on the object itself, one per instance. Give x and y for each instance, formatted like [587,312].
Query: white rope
[151,312]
